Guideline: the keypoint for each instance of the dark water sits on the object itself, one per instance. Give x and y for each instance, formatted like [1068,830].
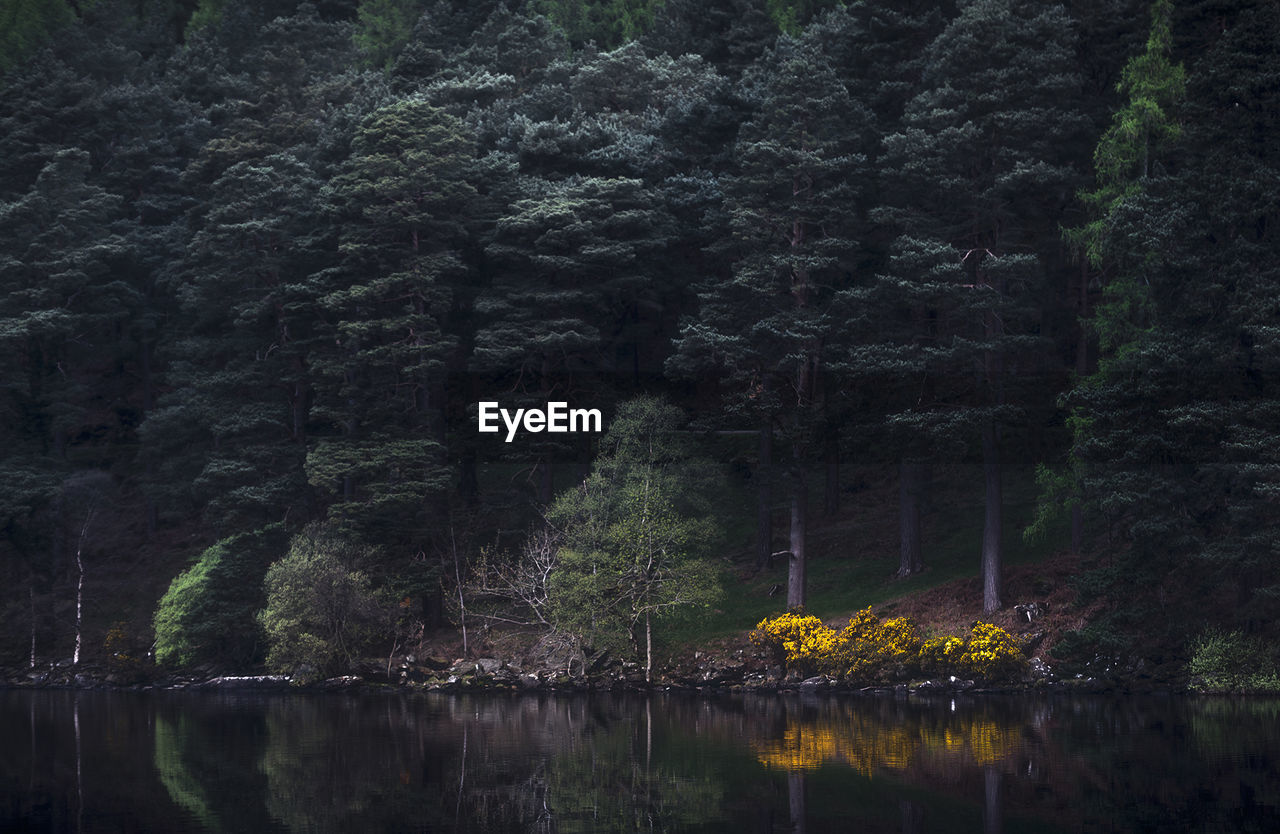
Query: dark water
[172,762]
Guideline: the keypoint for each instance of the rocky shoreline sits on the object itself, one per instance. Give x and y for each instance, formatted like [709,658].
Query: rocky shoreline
[742,671]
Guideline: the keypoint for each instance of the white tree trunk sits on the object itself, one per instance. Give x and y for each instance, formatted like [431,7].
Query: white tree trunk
[84,531]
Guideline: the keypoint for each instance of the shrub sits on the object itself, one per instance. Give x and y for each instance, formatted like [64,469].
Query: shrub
[941,655]
[992,654]
[207,614]
[795,640]
[869,650]
[872,650]
[1231,662]
[865,650]
[321,611]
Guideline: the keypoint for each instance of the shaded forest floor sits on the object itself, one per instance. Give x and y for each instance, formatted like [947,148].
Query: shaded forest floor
[853,559]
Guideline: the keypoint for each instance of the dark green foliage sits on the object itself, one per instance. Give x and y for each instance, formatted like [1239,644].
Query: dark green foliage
[249,281]
[1172,431]
[208,613]
[974,179]
[607,23]
[729,34]
[27,25]
[794,211]
[791,15]
[383,27]
[400,200]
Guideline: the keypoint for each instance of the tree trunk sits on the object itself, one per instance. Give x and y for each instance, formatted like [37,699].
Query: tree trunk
[831,493]
[992,543]
[764,500]
[796,573]
[910,487]
[31,598]
[75,658]
[648,648]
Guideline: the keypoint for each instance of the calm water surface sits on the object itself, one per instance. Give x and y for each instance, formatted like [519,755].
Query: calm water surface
[99,762]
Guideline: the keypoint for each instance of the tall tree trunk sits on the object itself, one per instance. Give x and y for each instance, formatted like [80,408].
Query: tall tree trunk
[31,598]
[84,530]
[831,492]
[992,543]
[799,506]
[648,648]
[992,533]
[910,488]
[764,499]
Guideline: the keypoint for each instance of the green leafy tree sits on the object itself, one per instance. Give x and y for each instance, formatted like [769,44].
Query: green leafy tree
[321,610]
[1129,150]
[635,534]
[207,614]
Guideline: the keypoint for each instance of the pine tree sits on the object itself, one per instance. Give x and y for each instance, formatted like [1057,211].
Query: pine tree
[979,177]
[1173,430]
[793,214]
[400,200]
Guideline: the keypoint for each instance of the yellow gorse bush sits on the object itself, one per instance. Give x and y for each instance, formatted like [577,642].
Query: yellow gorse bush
[797,640]
[941,655]
[875,650]
[992,654]
[871,650]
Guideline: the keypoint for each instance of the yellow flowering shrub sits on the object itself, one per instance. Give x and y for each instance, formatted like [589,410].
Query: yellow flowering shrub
[941,655]
[873,650]
[992,654]
[796,640]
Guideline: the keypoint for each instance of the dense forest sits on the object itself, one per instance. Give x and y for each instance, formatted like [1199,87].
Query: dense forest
[261,261]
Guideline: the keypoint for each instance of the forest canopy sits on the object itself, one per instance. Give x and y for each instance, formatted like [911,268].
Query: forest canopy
[259,262]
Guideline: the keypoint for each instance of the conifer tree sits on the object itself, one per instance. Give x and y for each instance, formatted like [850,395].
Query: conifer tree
[400,200]
[978,177]
[793,214]
[1172,431]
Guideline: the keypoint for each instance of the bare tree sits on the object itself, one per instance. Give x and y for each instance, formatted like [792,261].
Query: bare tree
[521,580]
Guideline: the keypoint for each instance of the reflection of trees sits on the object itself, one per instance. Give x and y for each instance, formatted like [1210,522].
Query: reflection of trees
[203,753]
[621,773]
[560,763]
[184,787]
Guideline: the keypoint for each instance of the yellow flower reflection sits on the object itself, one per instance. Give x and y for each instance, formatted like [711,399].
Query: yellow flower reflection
[866,744]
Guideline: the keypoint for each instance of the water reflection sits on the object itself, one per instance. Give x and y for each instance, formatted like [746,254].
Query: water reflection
[110,762]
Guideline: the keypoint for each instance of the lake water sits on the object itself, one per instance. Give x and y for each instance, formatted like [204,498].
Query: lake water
[94,761]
